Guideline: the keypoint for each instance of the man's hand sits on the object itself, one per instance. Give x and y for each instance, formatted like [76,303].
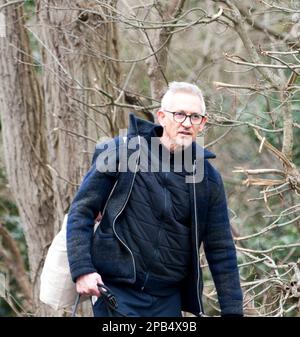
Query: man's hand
[87,284]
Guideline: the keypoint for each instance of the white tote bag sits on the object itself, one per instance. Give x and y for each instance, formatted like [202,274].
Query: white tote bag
[57,288]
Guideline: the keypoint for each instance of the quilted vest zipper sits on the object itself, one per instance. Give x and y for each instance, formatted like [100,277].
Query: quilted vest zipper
[114,221]
[197,241]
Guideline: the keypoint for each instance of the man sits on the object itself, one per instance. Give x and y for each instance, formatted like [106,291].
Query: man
[146,248]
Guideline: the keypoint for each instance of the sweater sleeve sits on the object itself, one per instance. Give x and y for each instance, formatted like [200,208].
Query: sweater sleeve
[221,253]
[87,203]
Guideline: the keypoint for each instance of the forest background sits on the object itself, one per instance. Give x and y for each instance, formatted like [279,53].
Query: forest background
[71,71]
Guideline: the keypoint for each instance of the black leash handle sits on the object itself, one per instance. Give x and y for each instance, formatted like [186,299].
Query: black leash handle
[108,297]
[76,305]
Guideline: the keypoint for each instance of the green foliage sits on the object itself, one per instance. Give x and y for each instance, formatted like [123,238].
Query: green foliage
[29,15]
[29,7]
[10,219]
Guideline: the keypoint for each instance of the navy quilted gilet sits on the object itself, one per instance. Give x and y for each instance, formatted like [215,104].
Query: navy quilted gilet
[156,224]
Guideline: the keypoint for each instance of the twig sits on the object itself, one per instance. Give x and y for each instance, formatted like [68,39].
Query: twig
[239,86]
[279,247]
[236,60]
[11,3]
[260,171]
[75,134]
[60,177]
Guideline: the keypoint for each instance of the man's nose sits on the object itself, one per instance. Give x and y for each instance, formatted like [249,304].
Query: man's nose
[187,123]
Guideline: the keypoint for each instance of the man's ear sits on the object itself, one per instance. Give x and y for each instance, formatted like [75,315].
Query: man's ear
[161,115]
[201,126]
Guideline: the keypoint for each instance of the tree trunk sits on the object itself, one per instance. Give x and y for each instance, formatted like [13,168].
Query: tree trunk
[77,83]
[52,121]
[24,141]
[157,64]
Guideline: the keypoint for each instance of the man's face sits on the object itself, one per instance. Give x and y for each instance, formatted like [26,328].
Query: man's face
[180,134]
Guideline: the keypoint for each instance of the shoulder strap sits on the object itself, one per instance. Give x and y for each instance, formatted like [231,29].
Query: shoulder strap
[97,223]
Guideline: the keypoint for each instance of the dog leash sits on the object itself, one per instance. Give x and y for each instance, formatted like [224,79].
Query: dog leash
[109,298]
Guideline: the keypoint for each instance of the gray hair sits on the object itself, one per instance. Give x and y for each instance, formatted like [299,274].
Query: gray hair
[178,87]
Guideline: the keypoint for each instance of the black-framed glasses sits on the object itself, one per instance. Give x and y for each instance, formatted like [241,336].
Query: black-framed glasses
[180,117]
